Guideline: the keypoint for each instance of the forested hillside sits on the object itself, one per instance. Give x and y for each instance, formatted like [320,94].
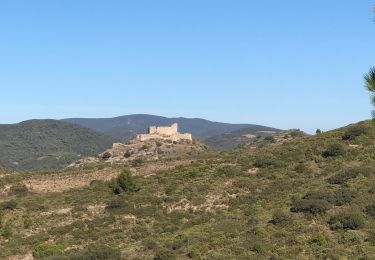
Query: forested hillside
[45,144]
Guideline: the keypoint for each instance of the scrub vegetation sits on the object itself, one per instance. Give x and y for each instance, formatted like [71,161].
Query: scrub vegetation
[310,197]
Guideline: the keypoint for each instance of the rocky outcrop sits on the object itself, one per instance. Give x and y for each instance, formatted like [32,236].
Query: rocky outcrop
[138,151]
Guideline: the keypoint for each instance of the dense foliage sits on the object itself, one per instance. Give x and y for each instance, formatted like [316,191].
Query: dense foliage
[45,144]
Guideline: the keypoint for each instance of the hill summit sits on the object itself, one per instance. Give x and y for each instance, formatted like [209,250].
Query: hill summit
[45,144]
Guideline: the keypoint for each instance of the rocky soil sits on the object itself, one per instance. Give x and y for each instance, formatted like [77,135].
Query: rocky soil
[136,151]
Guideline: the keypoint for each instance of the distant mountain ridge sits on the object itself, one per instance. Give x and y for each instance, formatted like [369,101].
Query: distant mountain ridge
[45,144]
[126,127]
[241,136]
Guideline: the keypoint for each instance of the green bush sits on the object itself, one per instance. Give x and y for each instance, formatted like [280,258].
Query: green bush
[96,183]
[47,250]
[19,189]
[370,210]
[325,195]
[296,133]
[270,139]
[97,252]
[6,230]
[343,176]
[106,155]
[227,171]
[346,221]
[137,162]
[118,206]
[318,239]
[344,196]
[150,244]
[371,237]
[338,198]
[127,154]
[353,237]
[267,161]
[280,218]
[334,149]
[165,254]
[311,206]
[302,168]
[9,205]
[125,183]
[355,131]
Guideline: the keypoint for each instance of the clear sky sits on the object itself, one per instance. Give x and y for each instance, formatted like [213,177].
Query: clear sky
[287,64]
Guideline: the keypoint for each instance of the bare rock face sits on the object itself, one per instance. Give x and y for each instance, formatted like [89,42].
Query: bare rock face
[148,150]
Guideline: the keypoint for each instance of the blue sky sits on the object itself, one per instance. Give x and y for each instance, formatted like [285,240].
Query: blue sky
[287,64]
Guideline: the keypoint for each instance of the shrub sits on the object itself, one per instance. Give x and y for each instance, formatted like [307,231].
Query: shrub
[27,223]
[165,254]
[355,131]
[227,171]
[303,168]
[280,218]
[118,205]
[127,154]
[371,237]
[9,205]
[343,176]
[270,139]
[339,197]
[106,155]
[136,162]
[97,252]
[318,239]
[353,237]
[19,189]
[47,250]
[334,149]
[311,206]
[95,183]
[296,133]
[150,244]
[5,229]
[370,210]
[325,195]
[346,221]
[125,183]
[266,161]
[344,196]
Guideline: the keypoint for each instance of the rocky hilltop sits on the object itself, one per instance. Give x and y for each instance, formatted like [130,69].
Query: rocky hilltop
[136,151]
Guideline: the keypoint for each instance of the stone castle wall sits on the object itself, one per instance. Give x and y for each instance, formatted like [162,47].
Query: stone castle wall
[163,130]
[165,133]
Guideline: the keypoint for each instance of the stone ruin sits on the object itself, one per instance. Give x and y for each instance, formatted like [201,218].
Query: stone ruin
[164,133]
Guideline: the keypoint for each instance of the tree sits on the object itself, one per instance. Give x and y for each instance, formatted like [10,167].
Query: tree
[370,83]
[370,86]
[125,183]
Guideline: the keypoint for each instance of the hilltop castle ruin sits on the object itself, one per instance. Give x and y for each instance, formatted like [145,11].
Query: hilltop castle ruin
[165,133]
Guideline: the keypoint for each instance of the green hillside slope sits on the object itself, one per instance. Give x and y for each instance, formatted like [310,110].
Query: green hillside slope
[309,198]
[242,136]
[42,144]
